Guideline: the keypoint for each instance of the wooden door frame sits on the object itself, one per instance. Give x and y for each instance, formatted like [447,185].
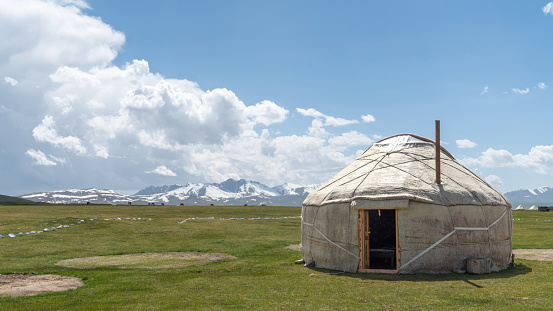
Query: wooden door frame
[362,248]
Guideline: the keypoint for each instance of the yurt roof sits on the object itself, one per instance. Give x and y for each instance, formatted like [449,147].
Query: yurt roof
[402,167]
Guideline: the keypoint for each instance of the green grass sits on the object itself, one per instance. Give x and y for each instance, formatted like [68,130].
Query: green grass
[263,275]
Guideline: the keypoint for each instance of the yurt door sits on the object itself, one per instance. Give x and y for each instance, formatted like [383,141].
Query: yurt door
[378,239]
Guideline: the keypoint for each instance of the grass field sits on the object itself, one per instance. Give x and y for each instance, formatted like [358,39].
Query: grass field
[262,276]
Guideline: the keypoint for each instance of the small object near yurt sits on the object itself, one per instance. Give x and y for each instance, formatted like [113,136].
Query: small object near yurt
[519,208]
[399,208]
[533,208]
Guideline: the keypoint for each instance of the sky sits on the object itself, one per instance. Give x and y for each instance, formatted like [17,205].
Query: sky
[127,94]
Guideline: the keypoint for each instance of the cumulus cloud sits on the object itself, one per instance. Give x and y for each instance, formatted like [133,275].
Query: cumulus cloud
[542,86]
[539,159]
[519,91]
[350,139]
[101,117]
[484,91]
[329,120]
[11,81]
[266,113]
[81,4]
[265,158]
[39,36]
[317,129]
[368,118]
[465,143]
[494,180]
[46,132]
[39,158]
[210,133]
[163,171]
[548,9]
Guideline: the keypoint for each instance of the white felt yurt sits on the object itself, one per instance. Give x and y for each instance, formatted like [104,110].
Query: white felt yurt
[519,208]
[533,208]
[385,212]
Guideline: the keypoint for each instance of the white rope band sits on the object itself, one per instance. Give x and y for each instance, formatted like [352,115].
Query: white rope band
[449,234]
[331,242]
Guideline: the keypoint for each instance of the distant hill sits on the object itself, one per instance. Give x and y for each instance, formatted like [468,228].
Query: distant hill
[229,192]
[542,196]
[7,200]
[84,196]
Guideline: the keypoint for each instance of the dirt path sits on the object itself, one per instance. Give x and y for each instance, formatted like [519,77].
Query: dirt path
[17,285]
[534,254]
[144,260]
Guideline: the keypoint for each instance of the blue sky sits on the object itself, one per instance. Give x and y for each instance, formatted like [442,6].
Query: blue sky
[123,95]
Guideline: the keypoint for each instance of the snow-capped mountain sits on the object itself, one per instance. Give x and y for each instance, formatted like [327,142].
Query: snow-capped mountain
[80,196]
[230,192]
[295,189]
[527,197]
[154,190]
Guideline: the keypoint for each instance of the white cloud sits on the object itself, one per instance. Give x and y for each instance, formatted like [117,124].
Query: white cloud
[310,113]
[46,132]
[350,139]
[210,134]
[266,113]
[465,143]
[484,91]
[39,36]
[494,180]
[329,120]
[267,159]
[65,102]
[95,113]
[368,118]
[539,159]
[519,91]
[81,4]
[11,81]
[542,86]
[163,171]
[548,9]
[39,158]
[316,129]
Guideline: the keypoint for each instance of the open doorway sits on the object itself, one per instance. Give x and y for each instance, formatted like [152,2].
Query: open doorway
[378,239]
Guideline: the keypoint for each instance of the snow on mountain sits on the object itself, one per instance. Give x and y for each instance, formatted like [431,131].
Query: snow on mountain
[80,196]
[295,189]
[154,190]
[527,197]
[229,189]
[228,192]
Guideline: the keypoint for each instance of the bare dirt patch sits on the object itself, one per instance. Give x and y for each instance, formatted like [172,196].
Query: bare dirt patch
[294,247]
[534,254]
[144,260]
[17,285]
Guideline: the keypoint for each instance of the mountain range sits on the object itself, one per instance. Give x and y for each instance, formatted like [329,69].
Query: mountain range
[542,196]
[232,192]
[229,192]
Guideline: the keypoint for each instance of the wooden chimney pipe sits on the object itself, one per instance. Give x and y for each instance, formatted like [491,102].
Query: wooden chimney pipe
[438,173]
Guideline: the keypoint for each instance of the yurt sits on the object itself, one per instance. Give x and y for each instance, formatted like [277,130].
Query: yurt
[519,208]
[399,208]
[533,208]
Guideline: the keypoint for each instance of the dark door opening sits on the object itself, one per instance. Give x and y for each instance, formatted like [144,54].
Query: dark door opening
[378,239]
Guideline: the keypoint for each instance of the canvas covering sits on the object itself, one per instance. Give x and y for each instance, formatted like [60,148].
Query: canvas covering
[465,215]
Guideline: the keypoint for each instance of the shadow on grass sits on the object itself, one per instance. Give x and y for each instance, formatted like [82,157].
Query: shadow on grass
[518,269]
